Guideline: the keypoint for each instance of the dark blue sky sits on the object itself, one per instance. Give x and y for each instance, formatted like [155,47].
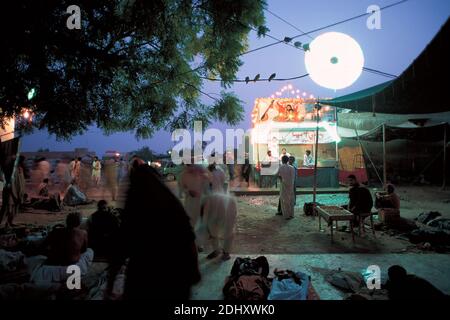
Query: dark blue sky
[406,30]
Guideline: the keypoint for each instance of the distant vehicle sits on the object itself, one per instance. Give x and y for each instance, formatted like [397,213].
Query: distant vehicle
[171,171]
[111,154]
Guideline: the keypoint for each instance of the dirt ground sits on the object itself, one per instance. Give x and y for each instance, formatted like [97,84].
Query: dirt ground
[260,231]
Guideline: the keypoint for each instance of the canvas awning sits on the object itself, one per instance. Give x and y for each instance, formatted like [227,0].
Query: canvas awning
[409,131]
[419,89]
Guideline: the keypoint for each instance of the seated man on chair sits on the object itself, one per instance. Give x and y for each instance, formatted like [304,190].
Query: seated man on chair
[360,199]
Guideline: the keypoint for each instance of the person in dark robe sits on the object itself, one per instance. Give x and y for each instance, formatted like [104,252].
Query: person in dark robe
[103,227]
[404,286]
[158,240]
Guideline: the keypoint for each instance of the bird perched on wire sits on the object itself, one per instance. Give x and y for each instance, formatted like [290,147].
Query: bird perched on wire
[247,79]
[272,76]
[257,77]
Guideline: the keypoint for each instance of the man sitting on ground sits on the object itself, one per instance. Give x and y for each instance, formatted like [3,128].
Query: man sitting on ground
[102,228]
[43,188]
[66,244]
[45,200]
[389,202]
[73,196]
[360,200]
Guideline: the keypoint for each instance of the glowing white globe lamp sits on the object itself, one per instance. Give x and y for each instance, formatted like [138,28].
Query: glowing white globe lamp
[334,60]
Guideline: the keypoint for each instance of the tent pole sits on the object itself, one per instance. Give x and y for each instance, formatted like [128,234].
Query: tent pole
[384,156]
[317,106]
[337,147]
[444,164]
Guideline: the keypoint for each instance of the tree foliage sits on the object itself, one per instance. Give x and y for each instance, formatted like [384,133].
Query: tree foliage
[145,153]
[134,64]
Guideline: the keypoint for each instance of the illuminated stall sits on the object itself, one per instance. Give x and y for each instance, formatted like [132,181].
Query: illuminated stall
[7,131]
[291,123]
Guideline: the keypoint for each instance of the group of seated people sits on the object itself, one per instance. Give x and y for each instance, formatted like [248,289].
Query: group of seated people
[44,200]
[361,202]
[65,244]
[75,244]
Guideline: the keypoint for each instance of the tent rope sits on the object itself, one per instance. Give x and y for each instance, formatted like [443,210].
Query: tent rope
[368,156]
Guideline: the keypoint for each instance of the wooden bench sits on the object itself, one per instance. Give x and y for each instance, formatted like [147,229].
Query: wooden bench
[335,213]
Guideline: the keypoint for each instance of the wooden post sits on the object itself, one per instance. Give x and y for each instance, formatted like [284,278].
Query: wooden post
[444,164]
[317,106]
[384,156]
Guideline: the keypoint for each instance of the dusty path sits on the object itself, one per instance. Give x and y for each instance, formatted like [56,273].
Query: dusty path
[259,230]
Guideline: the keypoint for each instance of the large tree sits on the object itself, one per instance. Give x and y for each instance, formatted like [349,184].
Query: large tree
[134,64]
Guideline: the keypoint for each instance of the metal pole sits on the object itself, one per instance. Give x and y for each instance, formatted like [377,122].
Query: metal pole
[337,147]
[384,156]
[444,164]
[317,106]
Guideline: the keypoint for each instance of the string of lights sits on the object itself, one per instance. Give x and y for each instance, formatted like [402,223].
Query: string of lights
[291,92]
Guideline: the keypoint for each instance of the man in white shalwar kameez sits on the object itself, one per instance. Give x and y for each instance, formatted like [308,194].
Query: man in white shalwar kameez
[194,182]
[286,174]
[218,220]
[217,178]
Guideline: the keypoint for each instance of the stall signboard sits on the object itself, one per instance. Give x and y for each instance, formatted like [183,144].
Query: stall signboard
[301,137]
[275,137]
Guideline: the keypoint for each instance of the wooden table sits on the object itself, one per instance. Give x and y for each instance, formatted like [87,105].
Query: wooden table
[334,213]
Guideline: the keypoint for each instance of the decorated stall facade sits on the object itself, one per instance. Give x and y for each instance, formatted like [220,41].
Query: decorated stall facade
[291,123]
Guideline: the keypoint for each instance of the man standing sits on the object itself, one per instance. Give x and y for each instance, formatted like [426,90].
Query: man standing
[111,168]
[96,171]
[294,164]
[76,169]
[218,220]
[217,178]
[43,169]
[230,164]
[284,153]
[246,170]
[194,182]
[286,174]
[269,169]
[13,190]
[308,160]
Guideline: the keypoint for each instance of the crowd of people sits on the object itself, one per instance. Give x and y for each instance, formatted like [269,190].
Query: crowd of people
[154,220]
[66,184]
